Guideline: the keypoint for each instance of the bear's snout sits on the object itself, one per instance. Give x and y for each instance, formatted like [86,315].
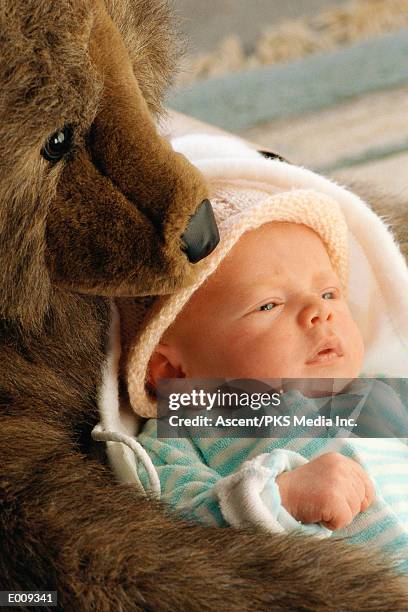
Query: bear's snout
[201,236]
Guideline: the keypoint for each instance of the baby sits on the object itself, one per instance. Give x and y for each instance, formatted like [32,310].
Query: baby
[274,311]
[271,302]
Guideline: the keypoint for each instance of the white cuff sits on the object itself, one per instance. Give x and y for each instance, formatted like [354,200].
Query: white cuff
[251,496]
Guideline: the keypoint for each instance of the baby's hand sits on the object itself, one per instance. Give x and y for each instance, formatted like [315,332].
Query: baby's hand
[331,489]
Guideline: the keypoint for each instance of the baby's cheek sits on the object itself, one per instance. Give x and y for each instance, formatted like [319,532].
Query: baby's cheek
[239,336]
[241,348]
[266,357]
[360,350]
[354,344]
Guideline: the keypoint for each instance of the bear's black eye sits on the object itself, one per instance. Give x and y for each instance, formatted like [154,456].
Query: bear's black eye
[58,144]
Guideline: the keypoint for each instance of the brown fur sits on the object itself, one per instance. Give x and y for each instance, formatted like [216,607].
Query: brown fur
[105,221]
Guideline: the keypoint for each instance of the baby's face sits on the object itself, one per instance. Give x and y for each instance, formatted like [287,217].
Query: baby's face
[267,310]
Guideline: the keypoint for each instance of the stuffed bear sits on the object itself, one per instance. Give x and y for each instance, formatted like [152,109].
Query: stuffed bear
[94,204]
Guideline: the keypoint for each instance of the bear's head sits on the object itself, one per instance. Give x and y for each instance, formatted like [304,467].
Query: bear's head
[92,199]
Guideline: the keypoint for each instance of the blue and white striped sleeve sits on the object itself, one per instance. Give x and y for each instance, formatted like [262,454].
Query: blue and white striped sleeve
[186,482]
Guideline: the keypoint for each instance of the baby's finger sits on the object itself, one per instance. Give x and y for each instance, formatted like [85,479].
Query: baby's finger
[364,480]
[369,497]
[339,515]
[354,498]
[359,487]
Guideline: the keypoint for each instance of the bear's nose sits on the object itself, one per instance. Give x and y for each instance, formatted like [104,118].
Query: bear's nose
[201,236]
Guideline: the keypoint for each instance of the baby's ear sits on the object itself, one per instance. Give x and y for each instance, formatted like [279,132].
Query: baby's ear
[165,362]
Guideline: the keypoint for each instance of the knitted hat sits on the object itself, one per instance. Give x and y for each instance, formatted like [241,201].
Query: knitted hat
[240,204]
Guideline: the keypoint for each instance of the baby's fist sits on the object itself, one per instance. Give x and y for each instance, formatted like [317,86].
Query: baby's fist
[331,489]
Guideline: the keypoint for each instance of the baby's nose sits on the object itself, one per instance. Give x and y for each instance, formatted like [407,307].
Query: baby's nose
[315,312]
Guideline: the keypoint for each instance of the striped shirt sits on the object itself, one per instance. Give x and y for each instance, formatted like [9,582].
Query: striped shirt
[192,471]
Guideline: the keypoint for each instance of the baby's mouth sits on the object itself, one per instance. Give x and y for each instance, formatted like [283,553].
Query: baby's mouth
[327,352]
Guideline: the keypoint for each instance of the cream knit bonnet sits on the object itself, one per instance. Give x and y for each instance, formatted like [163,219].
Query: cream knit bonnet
[241,203]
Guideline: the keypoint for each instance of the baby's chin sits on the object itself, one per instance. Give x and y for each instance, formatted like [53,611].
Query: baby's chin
[316,381]
[333,371]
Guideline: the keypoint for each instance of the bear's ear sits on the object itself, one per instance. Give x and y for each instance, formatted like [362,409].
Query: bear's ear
[24,280]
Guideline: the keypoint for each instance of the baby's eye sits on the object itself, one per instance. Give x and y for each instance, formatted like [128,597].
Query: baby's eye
[333,293]
[268,306]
